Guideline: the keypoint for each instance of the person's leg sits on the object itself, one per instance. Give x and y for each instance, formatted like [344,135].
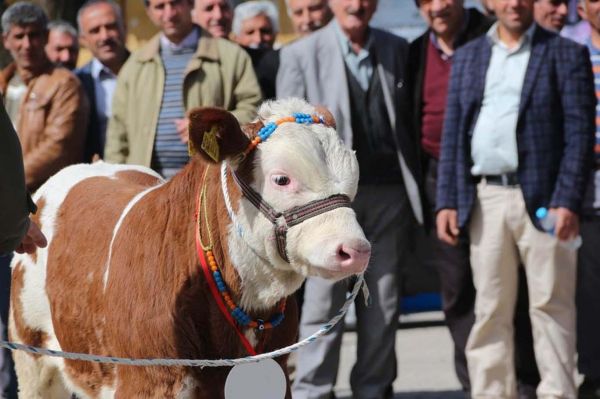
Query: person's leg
[456,281]
[387,228]
[551,273]
[528,376]
[588,300]
[494,261]
[458,299]
[317,363]
[8,379]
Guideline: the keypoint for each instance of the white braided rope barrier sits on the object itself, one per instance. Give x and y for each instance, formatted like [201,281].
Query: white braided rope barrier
[360,282]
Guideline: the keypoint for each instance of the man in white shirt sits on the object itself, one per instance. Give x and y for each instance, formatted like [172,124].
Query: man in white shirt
[102,31]
[518,136]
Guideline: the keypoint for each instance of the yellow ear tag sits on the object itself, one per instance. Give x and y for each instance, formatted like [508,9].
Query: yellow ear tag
[191,148]
[210,145]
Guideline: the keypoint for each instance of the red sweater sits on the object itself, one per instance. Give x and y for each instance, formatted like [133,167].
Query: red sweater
[435,89]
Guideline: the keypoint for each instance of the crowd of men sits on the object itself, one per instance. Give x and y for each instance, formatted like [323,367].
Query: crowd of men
[465,132]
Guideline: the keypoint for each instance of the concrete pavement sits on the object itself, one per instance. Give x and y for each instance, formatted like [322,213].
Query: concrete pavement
[425,361]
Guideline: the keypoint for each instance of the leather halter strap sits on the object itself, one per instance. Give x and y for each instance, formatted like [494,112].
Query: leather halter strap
[282,221]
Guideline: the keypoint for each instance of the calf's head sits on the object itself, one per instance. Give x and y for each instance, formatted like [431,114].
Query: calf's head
[298,164]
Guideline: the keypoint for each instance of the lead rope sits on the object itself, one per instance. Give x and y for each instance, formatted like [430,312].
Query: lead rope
[360,282]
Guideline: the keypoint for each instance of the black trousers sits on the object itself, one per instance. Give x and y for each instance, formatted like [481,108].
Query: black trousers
[458,296]
[588,299]
[7,368]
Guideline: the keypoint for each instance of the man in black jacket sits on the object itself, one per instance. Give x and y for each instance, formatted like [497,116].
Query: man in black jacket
[17,233]
[430,59]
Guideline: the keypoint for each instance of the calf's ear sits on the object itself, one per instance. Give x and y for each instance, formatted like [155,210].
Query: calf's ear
[215,134]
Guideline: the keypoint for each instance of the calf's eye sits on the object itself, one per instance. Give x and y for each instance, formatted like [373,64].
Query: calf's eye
[281,180]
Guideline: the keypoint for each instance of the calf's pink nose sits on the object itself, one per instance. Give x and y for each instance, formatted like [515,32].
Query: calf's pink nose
[354,258]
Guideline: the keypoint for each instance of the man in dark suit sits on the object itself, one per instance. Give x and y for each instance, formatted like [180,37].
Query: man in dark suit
[430,59]
[517,136]
[588,262]
[102,31]
[357,72]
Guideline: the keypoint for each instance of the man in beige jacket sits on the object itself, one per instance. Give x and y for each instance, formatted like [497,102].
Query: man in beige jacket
[180,68]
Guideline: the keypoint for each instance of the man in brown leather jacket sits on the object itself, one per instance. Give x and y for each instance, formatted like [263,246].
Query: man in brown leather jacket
[52,108]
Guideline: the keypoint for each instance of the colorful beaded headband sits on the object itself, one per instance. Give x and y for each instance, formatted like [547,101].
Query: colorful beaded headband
[267,130]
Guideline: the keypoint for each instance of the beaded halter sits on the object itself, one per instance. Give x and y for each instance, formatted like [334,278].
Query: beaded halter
[281,222]
[236,312]
[267,130]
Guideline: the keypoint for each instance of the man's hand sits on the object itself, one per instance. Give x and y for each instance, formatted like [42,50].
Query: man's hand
[32,240]
[182,129]
[447,226]
[567,223]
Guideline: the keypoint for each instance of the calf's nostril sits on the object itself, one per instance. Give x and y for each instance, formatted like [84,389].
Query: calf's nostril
[343,254]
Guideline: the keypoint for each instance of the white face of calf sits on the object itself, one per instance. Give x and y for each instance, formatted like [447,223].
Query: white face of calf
[296,165]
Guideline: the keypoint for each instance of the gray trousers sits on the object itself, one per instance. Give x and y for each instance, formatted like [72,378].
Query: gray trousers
[384,213]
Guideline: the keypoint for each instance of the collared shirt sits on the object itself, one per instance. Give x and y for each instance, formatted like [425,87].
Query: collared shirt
[494,141]
[190,41]
[360,65]
[105,82]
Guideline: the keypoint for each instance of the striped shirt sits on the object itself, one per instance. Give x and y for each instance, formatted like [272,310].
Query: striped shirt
[591,202]
[170,153]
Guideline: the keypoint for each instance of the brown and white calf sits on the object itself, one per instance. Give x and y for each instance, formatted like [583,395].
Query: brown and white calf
[121,276]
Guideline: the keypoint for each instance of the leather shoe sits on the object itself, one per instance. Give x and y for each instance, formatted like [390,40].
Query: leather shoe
[526,391]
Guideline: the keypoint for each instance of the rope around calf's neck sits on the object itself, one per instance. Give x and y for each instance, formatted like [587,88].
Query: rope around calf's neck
[360,282]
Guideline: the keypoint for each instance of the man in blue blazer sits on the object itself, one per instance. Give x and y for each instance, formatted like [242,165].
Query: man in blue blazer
[518,135]
[357,72]
[102,31]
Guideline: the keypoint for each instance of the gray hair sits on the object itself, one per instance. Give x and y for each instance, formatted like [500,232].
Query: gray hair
[24,13]
[116,8]
[254,8]
[63,26]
